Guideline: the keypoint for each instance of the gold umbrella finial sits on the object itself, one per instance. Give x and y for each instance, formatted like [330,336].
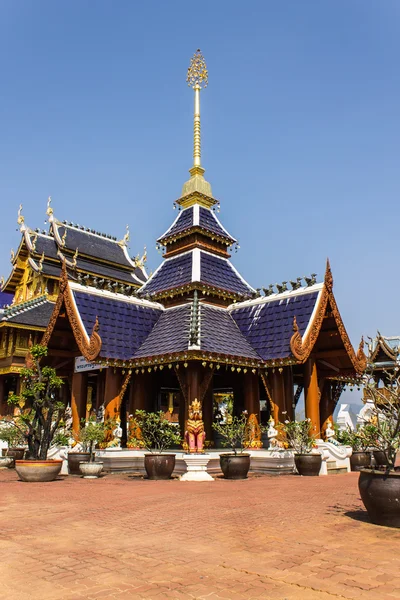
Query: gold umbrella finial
[197,75]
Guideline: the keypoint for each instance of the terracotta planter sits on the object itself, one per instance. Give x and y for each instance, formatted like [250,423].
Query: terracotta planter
[380,458]
[90,470]
[234,466]
[159,466]
[15,454]
[380,493]
[308,464]
[74,458]
[38,470]
[360,460]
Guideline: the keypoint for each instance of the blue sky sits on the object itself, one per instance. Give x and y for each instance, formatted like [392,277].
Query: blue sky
[300,128]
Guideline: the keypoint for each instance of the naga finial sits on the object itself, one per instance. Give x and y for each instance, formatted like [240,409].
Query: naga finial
[12,255]
[64,237]
[1,282]
[21,218]
[33,241]
[41,262]
[49,210]
[125,239]
[197,74]
[74,259]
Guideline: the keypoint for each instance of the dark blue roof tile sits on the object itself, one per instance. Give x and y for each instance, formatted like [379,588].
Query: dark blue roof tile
[174,272]
[123,325]
[268,326]
[219,272]
[170,333]
[90,244]
[220,334]
[183,222]
[208,221]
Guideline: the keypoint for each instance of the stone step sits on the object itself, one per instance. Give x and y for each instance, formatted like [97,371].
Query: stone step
[337,471]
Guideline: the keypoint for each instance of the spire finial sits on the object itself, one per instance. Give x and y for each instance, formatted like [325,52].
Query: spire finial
[21,218]
[197,78]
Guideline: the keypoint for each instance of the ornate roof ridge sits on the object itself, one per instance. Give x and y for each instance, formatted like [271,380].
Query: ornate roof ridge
[278,296]
[16,309]
[77,287]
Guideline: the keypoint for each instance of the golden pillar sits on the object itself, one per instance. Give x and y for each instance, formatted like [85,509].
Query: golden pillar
[311,395]
[278,395]
[112,391]
[78,400]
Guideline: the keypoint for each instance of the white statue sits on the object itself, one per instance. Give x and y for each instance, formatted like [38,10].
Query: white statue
[272,434]
[100,414]
[329,431]
[117,433]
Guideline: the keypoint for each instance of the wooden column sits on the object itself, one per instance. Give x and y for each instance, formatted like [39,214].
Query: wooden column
[78,399]
[112,390]
[289,391]
[311,395]
[327,407]
[278,395]
[252,394]
[208,413]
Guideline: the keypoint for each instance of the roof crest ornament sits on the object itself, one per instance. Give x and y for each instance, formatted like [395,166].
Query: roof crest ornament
[2,282]
[41,262]
[64,237]
[21,219]
[49,211]
[126,238]
[139,262]
[12,256]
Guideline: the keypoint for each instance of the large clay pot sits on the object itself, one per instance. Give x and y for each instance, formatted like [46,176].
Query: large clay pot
[6,462]
[380,493]
[38,470]
[308,464]
[234,466]
[74,458]
[90,470]
[380,458]
[15,454]
[159,466]
[360,460]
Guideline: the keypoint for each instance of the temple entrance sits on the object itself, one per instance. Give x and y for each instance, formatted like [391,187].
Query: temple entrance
[168,403]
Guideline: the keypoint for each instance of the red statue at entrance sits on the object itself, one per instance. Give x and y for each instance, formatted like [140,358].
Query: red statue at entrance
[195,434]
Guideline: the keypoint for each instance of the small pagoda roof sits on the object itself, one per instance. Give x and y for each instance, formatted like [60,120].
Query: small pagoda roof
[197,218]
[197,268]
[267,322]
[34,313]
[383,350]
[110,271]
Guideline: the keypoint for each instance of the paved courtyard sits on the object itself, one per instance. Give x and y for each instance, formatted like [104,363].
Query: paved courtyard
[123,537]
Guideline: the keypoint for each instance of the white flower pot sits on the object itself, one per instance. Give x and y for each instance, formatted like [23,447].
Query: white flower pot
[90,470]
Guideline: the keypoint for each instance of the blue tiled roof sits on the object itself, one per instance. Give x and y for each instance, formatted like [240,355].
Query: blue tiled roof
[220,334]
[33,313]
[108,271]
[123,325]
[219,272]
[173,273]
[93,245]
[5,299]
[184,221]
[170,333]
[45,244]
[268,326]
[207,220]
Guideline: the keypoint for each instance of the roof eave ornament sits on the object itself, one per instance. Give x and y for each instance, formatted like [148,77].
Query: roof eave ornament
[126,238]
[21,220]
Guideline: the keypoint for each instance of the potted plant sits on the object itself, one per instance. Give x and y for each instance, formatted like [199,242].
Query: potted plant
[158,434]
[360,440]
[12,434]
[380,487]
[135,440]
[39,420]
[91,434]
[233,431]
[299,437]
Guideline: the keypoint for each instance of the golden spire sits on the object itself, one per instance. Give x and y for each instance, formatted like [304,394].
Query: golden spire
[197,189]
[197,78]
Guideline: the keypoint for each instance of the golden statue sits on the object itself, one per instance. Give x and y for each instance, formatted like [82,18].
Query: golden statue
[253,433]
[195,435]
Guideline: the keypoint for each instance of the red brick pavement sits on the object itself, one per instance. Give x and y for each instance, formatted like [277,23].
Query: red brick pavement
[122,537]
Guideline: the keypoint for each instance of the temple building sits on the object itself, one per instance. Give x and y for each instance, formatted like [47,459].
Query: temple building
[195,329]
[28,297]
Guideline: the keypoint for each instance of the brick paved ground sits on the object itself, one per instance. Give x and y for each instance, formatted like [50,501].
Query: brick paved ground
[122,537]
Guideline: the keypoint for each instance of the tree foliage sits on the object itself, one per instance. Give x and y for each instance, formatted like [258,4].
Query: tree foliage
[41,410]
[157,432]
[233,431]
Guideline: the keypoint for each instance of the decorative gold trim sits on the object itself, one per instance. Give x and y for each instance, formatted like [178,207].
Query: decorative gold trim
[182,383]
[205,383]
[124,386]
[89,349]
[11,370]
[301,348]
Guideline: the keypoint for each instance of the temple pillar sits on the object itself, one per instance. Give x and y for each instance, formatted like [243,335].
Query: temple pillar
[278,395]
[311,395]
[289,392]
[78,400]
[112,391]
[327,407]
[252,394]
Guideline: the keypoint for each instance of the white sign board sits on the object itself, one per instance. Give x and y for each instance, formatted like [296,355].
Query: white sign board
[81,364]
